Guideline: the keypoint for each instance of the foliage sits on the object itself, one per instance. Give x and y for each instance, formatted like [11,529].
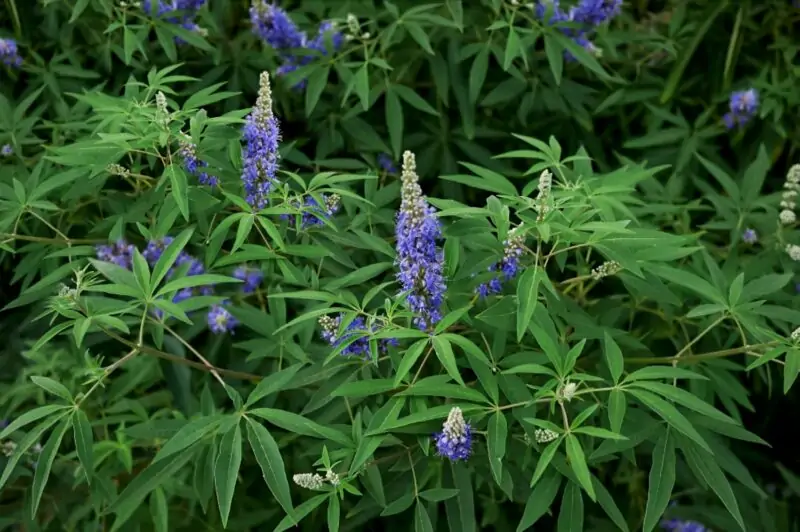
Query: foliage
[441,266]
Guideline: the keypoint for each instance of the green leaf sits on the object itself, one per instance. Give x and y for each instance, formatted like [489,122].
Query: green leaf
[53,387]
[614,357]
[444,352]
[496,443]
[188,435]
[675,77]
[755,174]
[438,389]
[359,276]
[226,470]
[422,521]
[295,423]
[414,100]
[141,271]
[394,120]
[361,80]
[272,384]
[317,81]
[419,35]
[539,501]
[705,464]
[169,256]
[527,299]
[684,398]
[544,460]
[663,372]
[30,416]
[616,409]
[408,361]
[662,480]
[180,188]
[606,501]
[84,442]
[438,494]
[599,432]
[555,57]
[577,460]
[159,510]
[45,463]
[334,511]
[477,74]
[671,415]
[116,274]
[192,281]
[269,458]
[153,476]
[570,517]
[303,510]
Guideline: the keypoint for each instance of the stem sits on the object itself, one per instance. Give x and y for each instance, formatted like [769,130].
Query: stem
[210,367]
[419,370]
[110,369]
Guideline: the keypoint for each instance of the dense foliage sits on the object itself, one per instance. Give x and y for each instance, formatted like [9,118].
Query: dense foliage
[373,265]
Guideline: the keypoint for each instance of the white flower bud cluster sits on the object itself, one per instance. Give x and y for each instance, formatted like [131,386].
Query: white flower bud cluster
[354,29]
[795,336]
[567,391]
[309,481]
[454,427]
[793,251]
[544,435]
[606,269]
[543,196]
[315,481]
[116,169]
[791,187]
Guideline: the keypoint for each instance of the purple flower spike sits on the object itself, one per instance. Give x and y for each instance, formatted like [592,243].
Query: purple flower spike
[251,277]
[420,261]
[743,106]
[455,440]
[260,154]
[121,254]
[749,236]
[9,53]
[220,320]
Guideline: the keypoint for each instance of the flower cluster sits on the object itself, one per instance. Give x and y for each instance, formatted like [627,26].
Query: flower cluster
[9,53]
[6,150]
[251,278]
[743,106]
[544,188]
[544,435]
[513,248]
[606,269]
[419,258]
[120,253]
[567,391]
[749,236]
[455,440]
[220,319]
[680,525]
[587,15]
[182,12]
[260,154]
[355,336]
[386,163]
[188,152]
[314,213]
[791,187]
[275,27]
[315,481]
